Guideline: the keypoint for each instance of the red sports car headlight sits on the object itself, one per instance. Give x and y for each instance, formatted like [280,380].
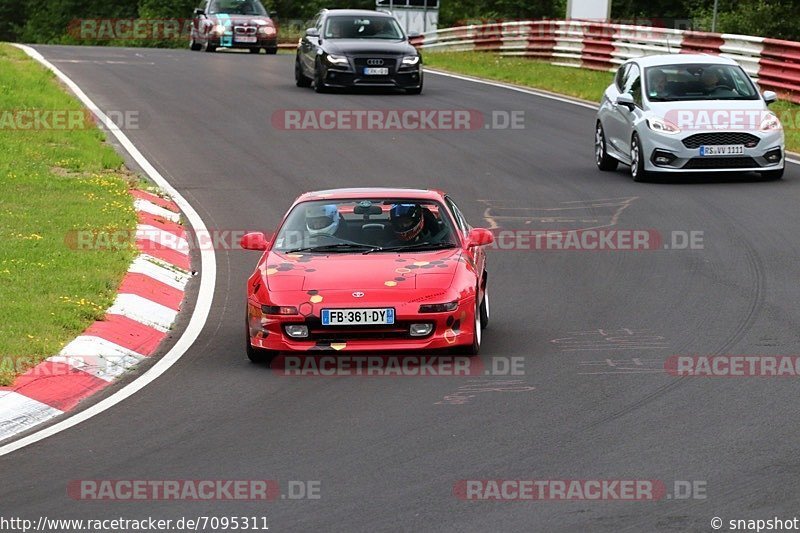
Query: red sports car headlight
[438,308]
[279,309]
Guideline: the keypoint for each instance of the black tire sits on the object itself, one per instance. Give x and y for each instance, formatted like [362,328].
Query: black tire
[638,173]
[484,309]
[319,85]
[604,161]
[271,51]
[475,348]
[194,46]
[300,79]
[209,47]
[255,50]
[772,175]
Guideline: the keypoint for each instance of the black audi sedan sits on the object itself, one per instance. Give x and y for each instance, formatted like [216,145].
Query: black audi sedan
[357,48]
[233,24]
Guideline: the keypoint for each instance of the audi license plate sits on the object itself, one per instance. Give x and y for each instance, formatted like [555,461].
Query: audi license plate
[376,71]
[357,317]
[722,149]
[245,38]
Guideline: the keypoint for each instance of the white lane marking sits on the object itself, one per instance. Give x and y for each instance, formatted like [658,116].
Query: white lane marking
[105,367]
[208,268]
[149,266]
[149,207]
[97,356]
[18,413]
[164,238]
[534,92]
[144,311]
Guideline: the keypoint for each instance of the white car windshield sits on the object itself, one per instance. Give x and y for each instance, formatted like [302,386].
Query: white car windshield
[671,83]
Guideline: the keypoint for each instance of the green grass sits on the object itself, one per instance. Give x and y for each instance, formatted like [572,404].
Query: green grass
[580,83]
[789,114]
[54,181]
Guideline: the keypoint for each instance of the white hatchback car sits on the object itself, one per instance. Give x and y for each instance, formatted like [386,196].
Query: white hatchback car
[687,113]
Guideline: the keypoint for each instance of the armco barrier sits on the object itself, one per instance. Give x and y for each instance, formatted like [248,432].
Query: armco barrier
[773,63]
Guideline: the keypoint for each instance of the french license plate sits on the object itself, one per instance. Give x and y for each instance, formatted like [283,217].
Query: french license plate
[356,317]
[245,38]
[722,149]
[376,71]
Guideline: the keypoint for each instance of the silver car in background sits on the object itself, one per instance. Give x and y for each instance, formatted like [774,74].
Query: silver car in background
[687,113]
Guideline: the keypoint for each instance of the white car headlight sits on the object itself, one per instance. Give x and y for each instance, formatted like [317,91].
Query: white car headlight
[663,126]
[771,122]
[266,30]
[219,29]
[410,60]
[336,60]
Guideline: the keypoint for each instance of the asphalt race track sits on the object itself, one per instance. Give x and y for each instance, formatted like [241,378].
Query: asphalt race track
[593,328]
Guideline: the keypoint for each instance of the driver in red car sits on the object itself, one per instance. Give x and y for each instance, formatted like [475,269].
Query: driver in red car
[412,223]
[326,221]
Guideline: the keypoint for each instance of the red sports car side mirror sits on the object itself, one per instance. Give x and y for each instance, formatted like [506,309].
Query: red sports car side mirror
[479,237]
[254,241]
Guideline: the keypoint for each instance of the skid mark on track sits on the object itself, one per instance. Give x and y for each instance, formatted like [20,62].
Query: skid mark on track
[465,394]
[757,276]
[634,365]
[568,216]
[611,339]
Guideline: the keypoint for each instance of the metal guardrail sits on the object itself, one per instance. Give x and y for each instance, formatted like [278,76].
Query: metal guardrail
[773,63]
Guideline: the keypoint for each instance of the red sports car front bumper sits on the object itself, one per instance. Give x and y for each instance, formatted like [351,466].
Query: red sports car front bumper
[451,329]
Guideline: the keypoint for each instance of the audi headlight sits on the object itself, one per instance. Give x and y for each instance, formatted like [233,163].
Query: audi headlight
[771,122]
[410,60]
[336,60]
[663,126]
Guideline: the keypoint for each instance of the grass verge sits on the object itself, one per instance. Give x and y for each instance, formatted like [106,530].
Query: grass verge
[55,181]
[580,83]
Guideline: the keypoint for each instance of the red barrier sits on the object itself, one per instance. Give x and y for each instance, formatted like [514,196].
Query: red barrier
[779,68]
[601,46]
[598,47]
[695,42]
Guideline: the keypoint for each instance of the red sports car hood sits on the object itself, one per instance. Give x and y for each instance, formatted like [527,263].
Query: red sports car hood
[294,272]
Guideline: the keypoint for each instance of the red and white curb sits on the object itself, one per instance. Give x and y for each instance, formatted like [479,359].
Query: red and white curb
[148,301]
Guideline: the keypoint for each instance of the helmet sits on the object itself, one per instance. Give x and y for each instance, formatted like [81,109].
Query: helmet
[406,220]
[322,219]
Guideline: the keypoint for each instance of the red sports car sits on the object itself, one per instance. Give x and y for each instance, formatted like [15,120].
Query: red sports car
[367,270]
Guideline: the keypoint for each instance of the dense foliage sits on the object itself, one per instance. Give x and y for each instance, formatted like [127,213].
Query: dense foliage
[47,21]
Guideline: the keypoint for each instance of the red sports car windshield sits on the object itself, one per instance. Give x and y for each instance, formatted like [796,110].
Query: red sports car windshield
[371,225]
